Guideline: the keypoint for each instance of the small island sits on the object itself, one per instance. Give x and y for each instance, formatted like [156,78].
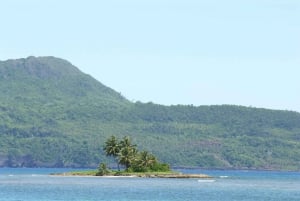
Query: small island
[136,163]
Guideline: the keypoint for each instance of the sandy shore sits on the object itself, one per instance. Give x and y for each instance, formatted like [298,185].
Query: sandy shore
[178,176]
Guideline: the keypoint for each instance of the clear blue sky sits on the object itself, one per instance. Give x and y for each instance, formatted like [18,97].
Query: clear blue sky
[241,52]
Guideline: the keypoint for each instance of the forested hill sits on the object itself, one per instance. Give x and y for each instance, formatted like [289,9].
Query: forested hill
[52,114]
[50,79]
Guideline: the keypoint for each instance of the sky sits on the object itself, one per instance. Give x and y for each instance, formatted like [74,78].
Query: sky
[191,52]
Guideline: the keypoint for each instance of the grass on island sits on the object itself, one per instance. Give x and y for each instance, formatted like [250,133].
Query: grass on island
[151,174]
[118,173]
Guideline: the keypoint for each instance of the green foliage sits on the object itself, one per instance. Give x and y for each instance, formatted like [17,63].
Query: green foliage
[102,170]
[144,162]
[51,114]
[131,158]
[160,167]
[123,150]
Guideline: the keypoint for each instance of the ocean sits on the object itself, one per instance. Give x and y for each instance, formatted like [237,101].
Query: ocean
[27,184]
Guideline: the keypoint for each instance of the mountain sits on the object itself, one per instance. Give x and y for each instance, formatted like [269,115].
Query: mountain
[53,115]
[46,103]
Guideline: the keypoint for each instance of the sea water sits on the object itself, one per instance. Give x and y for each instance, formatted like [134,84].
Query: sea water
[38,185]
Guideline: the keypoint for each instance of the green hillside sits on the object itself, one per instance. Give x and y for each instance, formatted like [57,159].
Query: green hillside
[51,114]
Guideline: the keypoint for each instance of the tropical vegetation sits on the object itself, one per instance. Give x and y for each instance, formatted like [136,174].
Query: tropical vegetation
[130,157]
[53,115]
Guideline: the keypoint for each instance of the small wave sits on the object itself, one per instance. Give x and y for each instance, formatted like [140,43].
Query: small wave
[224,176]
[206,180]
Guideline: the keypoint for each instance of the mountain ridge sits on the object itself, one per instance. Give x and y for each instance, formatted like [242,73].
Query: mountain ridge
[52,114]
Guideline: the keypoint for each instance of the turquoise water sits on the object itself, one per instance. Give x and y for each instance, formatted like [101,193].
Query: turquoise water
[36,184]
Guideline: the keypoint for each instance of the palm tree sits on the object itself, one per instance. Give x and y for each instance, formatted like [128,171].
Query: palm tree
[126,142]
[146,160]
[127,156]
[112,147]
[102,170]
[127,153]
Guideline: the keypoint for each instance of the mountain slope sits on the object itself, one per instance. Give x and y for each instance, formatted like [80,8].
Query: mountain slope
[47,99]
[50,78]
[53,86]
[51,114]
